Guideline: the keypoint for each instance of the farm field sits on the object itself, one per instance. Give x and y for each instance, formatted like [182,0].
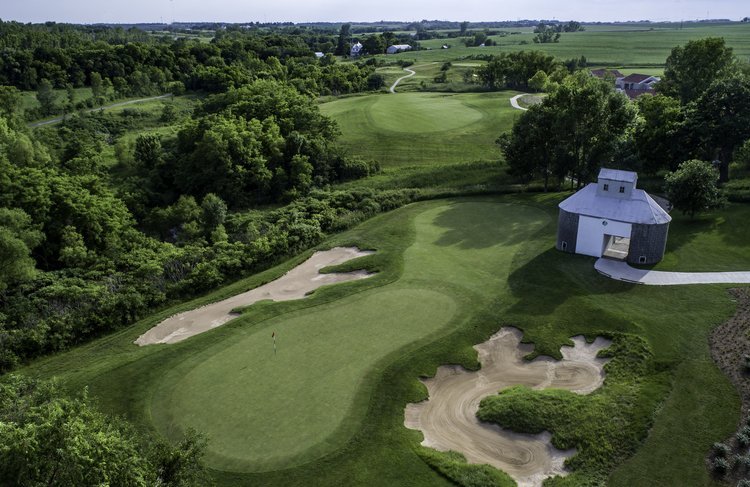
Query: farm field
[617,46]
[328,408]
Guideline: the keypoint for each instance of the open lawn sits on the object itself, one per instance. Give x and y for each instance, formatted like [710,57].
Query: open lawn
[408,129]
[328,408]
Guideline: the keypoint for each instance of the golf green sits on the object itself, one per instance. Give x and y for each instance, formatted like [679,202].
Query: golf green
[263,410]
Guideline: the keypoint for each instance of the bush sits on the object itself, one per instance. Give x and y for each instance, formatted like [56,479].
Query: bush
[743,483]
[720,466]
[742,439]
[721,450]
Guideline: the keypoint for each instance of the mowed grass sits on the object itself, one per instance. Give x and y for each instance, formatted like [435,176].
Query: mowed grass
[408,129]
[482,263]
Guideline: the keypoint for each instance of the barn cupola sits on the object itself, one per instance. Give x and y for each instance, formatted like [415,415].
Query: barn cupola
[615,183]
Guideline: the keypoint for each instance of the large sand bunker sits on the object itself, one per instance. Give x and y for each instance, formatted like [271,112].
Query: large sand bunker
[295,284]
[448,418]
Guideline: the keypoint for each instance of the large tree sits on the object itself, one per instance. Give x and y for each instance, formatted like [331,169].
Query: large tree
[660,136]
[575,130]
[691,69]
[692,187]
[720,118]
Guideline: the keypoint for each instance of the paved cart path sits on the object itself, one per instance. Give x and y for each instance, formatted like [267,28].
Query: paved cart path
[514,102]
[395,83]
[623,272]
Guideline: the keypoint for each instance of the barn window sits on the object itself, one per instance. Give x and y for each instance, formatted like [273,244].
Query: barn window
[564,245]
[606,187]
[642,259]
[622,189]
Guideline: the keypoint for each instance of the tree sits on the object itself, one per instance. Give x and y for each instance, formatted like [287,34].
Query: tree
[10,102]
[374,44]
[659,136]
[575,130]
[539,81]
[47,98]
[213,212]
[464,26]
[49,439]
[692,187]
[691,69]
[18,237]
[342,46]
[720,118]
[147,152]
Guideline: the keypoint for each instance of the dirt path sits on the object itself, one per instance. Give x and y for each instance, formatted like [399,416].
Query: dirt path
[114,105]
[295,284]
[395,83]
[448,418]
[621,271]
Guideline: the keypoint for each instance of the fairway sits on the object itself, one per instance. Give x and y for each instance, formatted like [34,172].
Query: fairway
[414,128]
[325,353]
[328,408]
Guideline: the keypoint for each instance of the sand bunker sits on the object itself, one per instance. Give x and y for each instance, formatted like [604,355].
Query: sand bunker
[448,418]
[295,284]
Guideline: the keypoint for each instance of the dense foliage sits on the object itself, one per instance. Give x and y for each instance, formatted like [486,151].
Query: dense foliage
[575,130]
[49,439]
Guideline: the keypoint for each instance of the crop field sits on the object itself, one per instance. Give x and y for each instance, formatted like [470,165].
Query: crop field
[602,45]
[408,129]
[328,407]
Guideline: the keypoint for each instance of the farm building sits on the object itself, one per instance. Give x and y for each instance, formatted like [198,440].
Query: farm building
[356,50]
[633,85]
[393,49]
[611,218]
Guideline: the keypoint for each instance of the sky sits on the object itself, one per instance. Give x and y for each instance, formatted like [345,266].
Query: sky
[130,11]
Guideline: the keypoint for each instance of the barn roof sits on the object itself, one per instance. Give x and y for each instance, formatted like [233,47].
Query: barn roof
[639,208]
[618,175]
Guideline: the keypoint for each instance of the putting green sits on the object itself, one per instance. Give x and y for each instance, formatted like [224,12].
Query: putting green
[421,113]
[405,129]
[262,411]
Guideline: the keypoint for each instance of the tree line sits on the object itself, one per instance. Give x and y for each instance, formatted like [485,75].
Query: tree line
[701,111]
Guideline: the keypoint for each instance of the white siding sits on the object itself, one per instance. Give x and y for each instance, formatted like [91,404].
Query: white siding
[591,232]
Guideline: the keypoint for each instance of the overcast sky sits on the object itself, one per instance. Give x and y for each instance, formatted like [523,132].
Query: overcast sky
[124,11]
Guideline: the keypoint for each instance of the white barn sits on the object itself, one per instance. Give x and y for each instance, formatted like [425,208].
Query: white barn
[393,49]
[355,50]
[612,218]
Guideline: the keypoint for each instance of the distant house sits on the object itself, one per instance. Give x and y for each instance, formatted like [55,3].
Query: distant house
[611,218]
[633,85]
[356,50]
[393,49]
[319,54]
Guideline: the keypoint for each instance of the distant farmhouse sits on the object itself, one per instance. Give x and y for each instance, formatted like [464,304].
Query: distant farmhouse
[633,85]
[356,50]
[393,49]
[611,218]
[319,54]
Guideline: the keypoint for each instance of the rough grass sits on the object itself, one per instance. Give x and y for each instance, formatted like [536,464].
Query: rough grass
[494,256]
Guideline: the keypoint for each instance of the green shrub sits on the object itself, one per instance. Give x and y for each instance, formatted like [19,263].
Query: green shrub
[720,466]
[721,450]
[453,466]
[742,439]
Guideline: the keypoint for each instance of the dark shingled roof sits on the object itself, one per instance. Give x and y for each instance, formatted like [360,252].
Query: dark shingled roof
[601,73]
[636,78]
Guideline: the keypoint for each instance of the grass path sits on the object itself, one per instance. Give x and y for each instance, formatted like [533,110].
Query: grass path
[105,107]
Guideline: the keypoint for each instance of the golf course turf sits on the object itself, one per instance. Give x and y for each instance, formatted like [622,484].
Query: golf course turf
[328,408]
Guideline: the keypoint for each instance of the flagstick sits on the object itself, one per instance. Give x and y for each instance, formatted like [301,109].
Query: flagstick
[274,342]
